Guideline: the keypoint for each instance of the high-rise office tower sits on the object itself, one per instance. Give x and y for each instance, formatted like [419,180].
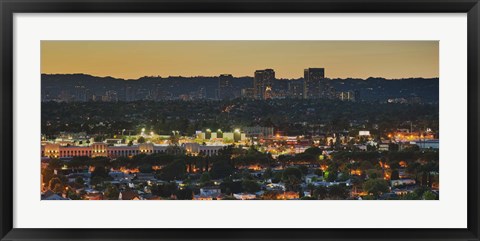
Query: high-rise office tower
[130,94]
[295,89]
[80,93]
[312,87]
[225,86]
[263,83]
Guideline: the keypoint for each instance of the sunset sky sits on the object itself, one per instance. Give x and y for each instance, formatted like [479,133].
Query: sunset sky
[341,59]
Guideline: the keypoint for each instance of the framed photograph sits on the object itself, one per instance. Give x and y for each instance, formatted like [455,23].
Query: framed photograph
[245,120]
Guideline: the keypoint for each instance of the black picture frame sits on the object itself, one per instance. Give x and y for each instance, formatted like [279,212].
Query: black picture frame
[9,7]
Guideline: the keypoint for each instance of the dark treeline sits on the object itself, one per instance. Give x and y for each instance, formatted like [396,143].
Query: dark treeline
[294,117]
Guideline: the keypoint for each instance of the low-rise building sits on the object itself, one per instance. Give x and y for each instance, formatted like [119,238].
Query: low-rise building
[128,195]
[402,182]
[244,196]
[55,150]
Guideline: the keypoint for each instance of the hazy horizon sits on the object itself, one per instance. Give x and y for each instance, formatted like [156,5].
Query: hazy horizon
[215,76]
[341,59]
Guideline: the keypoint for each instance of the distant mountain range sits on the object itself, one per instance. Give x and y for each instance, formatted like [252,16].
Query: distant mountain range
[55,86]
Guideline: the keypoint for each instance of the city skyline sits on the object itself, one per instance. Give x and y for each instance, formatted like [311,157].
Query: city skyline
[342,59]
[292,130]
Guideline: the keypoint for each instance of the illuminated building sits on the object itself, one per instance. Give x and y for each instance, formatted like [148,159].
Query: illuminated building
[55,150]
[295,89]
[346,96]
[248,93]
[225,87]
[244,196]
[258,131]
[235,136]
[206,150]
[263,83]
[110,96]
[312,87]
[312,82]
[208,193]
[80,93]
[130,94]
[364,133]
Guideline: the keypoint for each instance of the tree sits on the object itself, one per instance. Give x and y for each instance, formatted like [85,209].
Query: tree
[111,192]
[268,174]
[410,196]
[331,174]
[311,188]
[141,139]
[338,192]
[53,182]
[376,186]
[96,180]
[55,164]
[185,194]
[164,190]
[395,175]
[146,168]
[58,188]
[79,182]
[73,195]
[277,177]
[221,169]
[100,171]
[250,186]
[205,177]
[174,171]
[98,138]
[320,192]
[365,165]
[78,161]
[292,183]
[314,151]
[292,171]
[303,169]
[47,175]
[429,195]
[307,198]
[283,159]
[229,186]
[420,190]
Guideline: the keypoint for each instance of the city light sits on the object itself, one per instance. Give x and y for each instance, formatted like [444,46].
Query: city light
[289,139]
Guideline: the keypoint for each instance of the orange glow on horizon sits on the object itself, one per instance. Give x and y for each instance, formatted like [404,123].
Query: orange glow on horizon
[341,59]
